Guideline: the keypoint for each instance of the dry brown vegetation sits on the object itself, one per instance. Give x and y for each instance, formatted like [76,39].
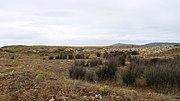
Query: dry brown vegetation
[44,73]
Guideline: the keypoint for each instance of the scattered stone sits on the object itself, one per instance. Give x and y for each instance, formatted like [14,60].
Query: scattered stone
[98,96]
[12,71]
[117,97]
[52,99]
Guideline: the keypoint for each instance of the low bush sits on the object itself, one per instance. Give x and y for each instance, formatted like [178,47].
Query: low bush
[70,56]
[114,54]
[134,53]
[90,76]
[51,57]
[118,60]
[40,77]
[80,73]
[63,55]
[98,54]
[164,74]
[79,56]
[157,72]
[95,62]
[104,90]
[106,55]
[77,73]
[57,57]
[134,71]
[12,57]
[81,63]
[107,72]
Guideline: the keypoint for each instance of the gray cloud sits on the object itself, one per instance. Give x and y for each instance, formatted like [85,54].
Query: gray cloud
[84,22]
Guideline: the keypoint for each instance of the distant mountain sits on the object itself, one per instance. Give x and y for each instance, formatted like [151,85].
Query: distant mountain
[122,44]
[149,44]
[161,44]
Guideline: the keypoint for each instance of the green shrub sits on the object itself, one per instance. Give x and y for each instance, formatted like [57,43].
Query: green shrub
[40,77]
[104,90]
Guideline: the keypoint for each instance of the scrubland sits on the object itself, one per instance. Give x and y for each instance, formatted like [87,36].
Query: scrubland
[54,73]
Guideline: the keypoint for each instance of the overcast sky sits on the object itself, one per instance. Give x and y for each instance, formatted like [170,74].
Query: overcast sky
[88,22]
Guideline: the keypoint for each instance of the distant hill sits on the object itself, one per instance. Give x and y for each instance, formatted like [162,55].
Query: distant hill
[121,44]
[149,44]
[161,44]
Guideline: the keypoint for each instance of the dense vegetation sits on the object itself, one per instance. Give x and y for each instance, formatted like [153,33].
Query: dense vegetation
[143,72]
[156,72]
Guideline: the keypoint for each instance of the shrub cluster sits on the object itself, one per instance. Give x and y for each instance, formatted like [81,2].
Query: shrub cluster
[98,54]
[152,72]
[62,55]
[164,73]
[134,52]
[51,57]
[114,54]
[157,72]
[81,63]
[108,71]
[77,73]
[81,73]
[79,56]
[120,53]
[134,71]
[89,63]
[104,90]
[95,62]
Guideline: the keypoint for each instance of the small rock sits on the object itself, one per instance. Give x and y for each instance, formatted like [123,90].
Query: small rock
[52,99]
[12,71]
[117,97]
[98,96]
